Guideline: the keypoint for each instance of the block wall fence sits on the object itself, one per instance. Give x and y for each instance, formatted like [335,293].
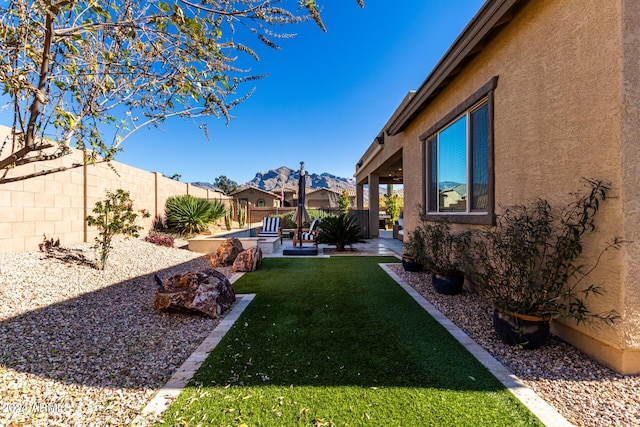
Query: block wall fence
[56,205]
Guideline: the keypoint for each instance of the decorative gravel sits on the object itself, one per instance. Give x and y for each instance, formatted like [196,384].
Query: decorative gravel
[79,346]
[583,391]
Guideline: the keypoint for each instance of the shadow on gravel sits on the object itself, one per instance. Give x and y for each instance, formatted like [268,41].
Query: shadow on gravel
[69,256]
[112,337]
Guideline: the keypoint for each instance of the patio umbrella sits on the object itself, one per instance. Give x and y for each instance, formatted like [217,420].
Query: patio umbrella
[301,215]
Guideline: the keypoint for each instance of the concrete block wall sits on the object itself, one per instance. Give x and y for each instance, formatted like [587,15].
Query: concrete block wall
[56,205]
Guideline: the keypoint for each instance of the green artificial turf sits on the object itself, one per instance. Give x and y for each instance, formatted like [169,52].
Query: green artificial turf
[337,342]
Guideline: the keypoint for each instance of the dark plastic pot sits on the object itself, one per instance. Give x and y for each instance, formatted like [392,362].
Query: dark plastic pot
[513,329]
[447,285]
[409,264]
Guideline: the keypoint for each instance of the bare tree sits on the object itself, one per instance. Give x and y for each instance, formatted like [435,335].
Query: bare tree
[91,73]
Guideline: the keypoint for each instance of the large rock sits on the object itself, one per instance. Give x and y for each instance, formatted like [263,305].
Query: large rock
[227,252]
[206,293]
[248,260]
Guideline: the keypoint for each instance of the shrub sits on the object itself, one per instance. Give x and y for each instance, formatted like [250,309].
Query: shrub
[341,231]
[48,244]
[415,244]
[528,263]
[344,203]
[439,250]
[286,220]
[392,207]
[114,215]
[188,215]
[160,240]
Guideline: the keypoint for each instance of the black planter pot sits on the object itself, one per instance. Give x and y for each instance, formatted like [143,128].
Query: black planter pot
[447,285]
[409,264]
[526,331]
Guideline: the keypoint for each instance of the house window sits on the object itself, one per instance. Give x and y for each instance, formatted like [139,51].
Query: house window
[260,203]
[458,163]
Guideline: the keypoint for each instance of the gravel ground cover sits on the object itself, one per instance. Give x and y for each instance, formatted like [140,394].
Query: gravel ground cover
[583,391]
[83,347]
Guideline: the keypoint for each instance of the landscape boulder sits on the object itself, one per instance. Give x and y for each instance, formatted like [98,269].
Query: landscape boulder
[248,260]
[207,293]
[227,252]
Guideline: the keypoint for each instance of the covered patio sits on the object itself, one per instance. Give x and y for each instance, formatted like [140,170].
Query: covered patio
[381,165]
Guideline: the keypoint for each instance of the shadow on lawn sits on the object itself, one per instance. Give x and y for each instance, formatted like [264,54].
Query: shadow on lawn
[89,340]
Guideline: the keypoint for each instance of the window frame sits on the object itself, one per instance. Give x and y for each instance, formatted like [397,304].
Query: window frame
[486,92]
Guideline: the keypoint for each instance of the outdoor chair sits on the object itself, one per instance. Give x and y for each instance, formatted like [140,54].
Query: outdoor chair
[308,235]
[271,228]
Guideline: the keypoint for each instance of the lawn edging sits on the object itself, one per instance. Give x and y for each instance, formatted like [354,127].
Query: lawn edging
[539,407]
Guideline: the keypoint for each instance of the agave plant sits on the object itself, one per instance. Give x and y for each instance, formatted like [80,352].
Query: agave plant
[341,231]
[188,215]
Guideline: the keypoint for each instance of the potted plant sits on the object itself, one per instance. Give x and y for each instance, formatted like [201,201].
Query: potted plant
[413,247]
[442,254]
[528,267]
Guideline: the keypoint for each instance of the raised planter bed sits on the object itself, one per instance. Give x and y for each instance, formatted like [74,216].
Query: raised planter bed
[208,244]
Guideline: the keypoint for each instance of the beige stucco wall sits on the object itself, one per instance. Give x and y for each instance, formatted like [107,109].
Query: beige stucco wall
[630,173]
[57,204]
[320,199]
[253,195]
[566,106]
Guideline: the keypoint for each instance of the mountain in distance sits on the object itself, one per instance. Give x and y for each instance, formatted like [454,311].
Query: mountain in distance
[284,177]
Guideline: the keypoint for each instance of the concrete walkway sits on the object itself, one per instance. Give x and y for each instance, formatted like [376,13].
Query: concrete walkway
[384,245]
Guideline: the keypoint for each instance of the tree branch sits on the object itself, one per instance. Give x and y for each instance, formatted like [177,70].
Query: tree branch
[41,173]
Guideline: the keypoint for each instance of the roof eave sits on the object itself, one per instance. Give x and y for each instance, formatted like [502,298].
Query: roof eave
[491,17]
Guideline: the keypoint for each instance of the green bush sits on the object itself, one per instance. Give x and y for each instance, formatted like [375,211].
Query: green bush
[529,263]
[114,215]
[340,231]
[440,250]
[286,220]
[188,215]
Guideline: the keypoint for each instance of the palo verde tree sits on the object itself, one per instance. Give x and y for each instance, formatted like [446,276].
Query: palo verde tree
[91,73]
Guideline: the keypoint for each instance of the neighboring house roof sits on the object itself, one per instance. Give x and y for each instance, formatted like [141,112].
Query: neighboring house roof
[461,189]
[315,190]
[268,193]
[492,17]
[285,189]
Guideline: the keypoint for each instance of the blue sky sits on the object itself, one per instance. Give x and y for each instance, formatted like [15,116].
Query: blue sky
[326,97]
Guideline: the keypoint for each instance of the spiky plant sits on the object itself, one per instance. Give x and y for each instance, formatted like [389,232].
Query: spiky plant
[242,217]
[188,215]
[228,217]
[341,231]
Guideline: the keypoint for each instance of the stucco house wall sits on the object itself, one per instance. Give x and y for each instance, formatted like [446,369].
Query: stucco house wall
[321,198]
[254,195]
[565,107]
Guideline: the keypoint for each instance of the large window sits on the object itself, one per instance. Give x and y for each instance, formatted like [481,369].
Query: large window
[458,162]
